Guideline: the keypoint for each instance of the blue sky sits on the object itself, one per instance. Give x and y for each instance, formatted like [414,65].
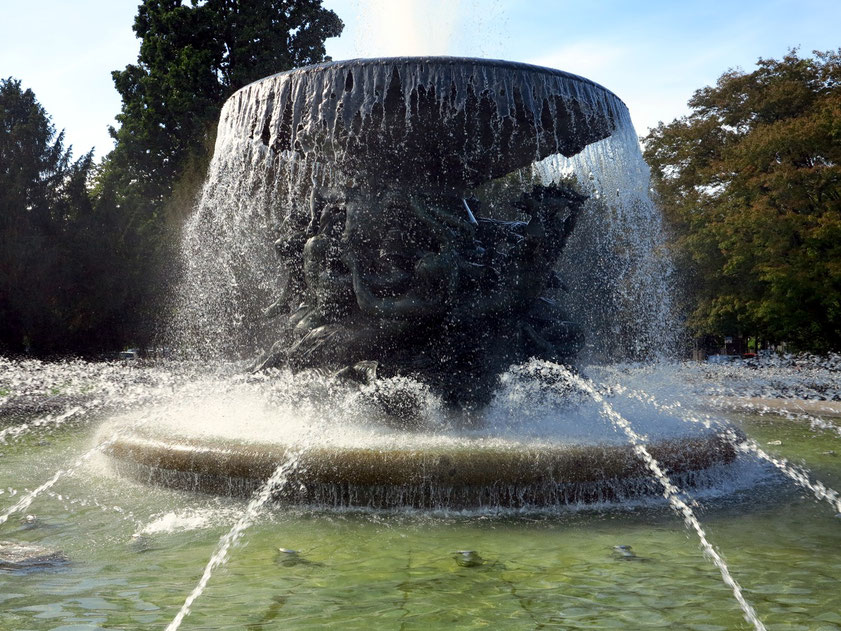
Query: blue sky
[653,54]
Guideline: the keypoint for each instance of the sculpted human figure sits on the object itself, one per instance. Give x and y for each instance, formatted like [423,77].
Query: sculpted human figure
[435,275]
[327,279]
[418,284]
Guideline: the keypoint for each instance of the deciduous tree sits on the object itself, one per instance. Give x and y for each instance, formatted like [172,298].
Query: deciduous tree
[750,183]
[193,55]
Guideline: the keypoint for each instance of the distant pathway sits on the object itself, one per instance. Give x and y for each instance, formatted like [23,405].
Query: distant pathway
[831,409]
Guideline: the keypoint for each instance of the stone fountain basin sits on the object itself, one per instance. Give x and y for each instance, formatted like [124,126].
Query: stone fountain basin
[474,474]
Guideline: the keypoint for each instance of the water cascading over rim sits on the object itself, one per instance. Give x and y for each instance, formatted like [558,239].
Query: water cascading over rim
[386,184]
[433,122]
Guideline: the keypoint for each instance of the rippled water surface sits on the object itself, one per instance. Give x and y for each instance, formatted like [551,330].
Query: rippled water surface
[133,553]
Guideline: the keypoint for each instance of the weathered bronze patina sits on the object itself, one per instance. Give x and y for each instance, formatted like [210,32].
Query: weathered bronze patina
[401,265]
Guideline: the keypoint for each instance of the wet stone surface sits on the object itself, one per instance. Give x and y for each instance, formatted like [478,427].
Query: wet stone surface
[390,283]
[26,557]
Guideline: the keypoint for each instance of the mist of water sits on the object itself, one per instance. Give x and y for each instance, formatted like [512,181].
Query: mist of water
[408,27]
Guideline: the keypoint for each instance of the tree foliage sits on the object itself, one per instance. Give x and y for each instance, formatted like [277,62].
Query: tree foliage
[85,250]
[750,183]
[192,57]
[50,232]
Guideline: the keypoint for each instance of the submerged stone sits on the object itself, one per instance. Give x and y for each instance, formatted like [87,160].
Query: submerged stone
[468,558]
[30,521]
[28,557]
[626,553]
[290,558]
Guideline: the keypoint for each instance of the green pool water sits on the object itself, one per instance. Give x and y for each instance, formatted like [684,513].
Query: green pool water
[400,570]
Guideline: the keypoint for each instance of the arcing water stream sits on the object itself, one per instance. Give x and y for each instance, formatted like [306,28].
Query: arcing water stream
[677,498]
[745,445]
[277,480]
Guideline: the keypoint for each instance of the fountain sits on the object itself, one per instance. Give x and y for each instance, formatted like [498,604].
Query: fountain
[449,269]
[418,221]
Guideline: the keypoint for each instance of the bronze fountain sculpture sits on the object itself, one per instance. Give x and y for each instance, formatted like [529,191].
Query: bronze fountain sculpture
[399,268]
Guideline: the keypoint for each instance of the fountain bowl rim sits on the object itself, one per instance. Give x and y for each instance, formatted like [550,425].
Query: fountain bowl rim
[442,60]
[543,471]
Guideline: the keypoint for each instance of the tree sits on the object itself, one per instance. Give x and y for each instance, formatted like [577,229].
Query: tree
[85,251]
[750,183]
[192,57]
[46,219]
